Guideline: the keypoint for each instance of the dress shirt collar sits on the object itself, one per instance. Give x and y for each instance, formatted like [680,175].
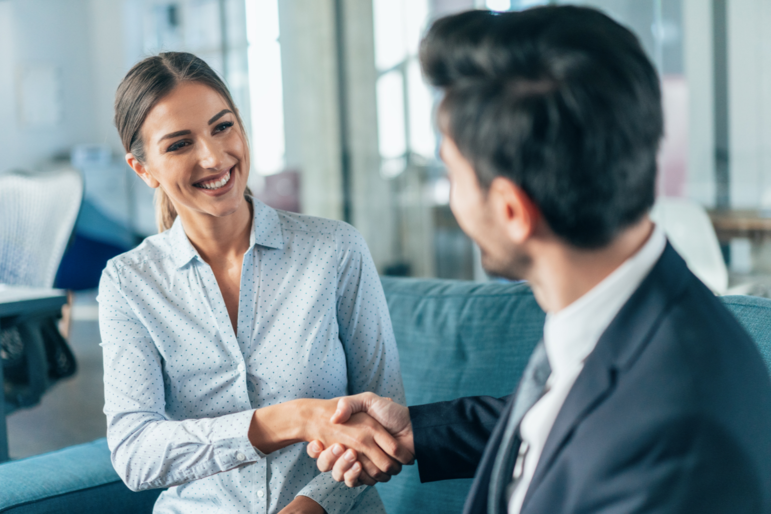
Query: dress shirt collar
[571,334]
[266,231]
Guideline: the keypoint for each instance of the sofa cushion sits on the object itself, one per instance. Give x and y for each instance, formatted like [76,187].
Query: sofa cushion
[755,316]
[455,339]
[73,480]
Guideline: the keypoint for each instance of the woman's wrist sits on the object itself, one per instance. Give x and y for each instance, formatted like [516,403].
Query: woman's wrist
[274,427]
[282,425]
[313,416]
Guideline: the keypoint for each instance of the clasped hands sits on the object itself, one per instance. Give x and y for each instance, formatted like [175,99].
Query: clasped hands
[357,416]
[373,435]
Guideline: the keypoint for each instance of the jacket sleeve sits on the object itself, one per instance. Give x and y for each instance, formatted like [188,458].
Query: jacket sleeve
[148,450]
[370,349]
[450,437]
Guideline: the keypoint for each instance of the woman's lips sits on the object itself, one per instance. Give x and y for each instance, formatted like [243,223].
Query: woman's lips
[215,183]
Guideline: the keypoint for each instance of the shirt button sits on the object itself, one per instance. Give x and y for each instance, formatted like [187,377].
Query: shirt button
[241,456]
[241,368]
[260,493]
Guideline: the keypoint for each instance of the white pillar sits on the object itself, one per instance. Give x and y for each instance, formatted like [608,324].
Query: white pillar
[309,69]
[699,73]
[309,58]
[749,93]
[373,210]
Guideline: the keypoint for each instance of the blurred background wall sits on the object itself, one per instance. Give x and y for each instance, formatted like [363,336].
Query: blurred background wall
[341,123]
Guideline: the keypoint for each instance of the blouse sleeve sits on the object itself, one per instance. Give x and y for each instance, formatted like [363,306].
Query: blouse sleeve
[147,449]
[370,349]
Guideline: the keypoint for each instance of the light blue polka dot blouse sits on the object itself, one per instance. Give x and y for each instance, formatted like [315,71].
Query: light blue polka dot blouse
[181,386]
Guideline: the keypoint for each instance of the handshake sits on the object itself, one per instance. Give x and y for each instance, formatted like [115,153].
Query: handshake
[372,442]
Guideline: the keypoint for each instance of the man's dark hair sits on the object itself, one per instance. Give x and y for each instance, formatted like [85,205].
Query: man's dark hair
[560,100]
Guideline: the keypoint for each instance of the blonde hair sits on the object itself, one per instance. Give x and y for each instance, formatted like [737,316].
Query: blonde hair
[143,86]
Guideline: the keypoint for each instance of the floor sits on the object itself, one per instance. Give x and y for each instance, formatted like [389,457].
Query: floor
[71,412]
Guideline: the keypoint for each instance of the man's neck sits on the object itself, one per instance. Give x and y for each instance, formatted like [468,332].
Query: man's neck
[561,274]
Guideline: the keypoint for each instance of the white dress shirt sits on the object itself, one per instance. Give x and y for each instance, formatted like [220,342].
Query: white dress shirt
[570,335]
[181,385]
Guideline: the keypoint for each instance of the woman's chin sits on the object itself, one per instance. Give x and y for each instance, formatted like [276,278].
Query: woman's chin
[230,206]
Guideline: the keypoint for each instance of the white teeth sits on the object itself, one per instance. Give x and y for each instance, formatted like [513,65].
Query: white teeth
[216,185]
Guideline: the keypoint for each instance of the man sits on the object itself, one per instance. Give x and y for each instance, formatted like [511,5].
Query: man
[645,394]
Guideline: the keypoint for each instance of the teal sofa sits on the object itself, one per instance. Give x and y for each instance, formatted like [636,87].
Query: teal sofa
[455,339]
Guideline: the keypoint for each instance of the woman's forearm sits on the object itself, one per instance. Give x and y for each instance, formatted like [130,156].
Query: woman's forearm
[278,426]
[150,451]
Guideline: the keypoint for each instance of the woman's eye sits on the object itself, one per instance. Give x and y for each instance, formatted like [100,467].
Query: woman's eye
[223,126]
[176,146]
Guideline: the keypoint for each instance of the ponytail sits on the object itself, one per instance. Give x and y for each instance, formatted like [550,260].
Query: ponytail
[165,213]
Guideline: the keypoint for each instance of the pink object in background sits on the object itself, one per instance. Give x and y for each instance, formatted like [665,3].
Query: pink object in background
[673,155]
[282,191]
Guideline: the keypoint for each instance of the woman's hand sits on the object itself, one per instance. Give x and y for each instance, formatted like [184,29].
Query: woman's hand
[303,505]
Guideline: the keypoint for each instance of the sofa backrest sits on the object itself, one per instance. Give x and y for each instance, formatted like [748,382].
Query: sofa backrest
[755,316]
[460,339]
[455,339]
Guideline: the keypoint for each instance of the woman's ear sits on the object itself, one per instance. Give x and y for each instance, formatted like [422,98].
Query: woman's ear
[140,170]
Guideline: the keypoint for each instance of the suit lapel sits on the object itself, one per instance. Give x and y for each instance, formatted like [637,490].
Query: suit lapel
[616,349]
[476,501]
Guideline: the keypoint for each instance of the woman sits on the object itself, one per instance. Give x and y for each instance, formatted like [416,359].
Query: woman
[215,329]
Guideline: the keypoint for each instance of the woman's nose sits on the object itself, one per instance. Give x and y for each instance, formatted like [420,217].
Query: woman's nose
[210,155]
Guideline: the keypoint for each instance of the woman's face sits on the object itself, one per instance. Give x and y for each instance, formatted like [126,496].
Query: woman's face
[195,151]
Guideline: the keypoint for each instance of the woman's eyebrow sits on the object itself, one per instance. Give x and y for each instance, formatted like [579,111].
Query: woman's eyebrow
[185,132]
[219,115]
[174,134]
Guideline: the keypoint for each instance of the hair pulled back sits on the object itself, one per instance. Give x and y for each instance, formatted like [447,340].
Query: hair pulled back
[142,88]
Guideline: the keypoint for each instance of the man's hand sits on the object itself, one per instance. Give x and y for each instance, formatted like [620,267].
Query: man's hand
[360,432]
[303,505]
[347,465]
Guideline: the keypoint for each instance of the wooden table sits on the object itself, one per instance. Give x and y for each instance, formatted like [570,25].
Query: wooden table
[751,224]
[20,305]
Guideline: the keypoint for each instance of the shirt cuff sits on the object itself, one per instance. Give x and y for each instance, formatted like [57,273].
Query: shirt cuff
[334,497]
[231,441]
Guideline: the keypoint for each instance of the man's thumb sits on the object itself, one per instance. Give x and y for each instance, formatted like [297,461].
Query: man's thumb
[344,411]
[348,406]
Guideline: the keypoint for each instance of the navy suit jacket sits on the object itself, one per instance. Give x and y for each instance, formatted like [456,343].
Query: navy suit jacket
[671,414]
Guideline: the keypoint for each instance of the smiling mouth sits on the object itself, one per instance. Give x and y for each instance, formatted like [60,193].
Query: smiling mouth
[215,184]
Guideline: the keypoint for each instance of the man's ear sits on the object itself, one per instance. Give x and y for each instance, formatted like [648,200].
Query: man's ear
[518,213]
[140,170]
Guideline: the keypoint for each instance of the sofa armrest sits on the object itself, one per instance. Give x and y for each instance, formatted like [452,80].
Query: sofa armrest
[75,479]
